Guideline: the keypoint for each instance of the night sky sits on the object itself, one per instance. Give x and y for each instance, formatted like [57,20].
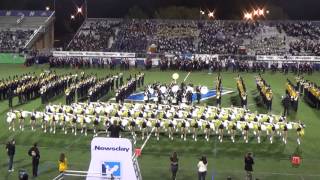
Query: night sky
[225,9]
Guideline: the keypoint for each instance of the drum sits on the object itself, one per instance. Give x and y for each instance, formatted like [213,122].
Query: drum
[175,88]
[163,89]
[150,90]
[204,90]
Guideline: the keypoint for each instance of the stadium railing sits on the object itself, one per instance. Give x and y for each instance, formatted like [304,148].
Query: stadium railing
[73,173]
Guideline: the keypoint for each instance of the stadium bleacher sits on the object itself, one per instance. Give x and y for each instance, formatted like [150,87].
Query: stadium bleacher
[17,28]
[205,37]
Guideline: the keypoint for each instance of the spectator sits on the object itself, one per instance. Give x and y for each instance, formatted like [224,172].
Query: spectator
[13,40]
[202,168]
[248,161]
[35,154]
[11,149]
[174,165]
[62,163]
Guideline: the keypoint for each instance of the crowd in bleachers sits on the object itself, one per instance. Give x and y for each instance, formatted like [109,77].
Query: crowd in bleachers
[94,36]
[133,36]
[13,40]
[176,38]
[225,37]
[211,37]
[268,46]
[308,37]
[304,47]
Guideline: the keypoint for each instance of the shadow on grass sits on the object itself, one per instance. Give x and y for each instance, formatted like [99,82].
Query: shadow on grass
[235,100]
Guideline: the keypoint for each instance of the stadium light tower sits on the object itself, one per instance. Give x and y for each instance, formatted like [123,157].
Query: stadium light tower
[72,17]
[47,8]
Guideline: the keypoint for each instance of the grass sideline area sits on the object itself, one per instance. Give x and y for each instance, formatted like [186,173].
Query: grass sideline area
[10,58]
[225,159]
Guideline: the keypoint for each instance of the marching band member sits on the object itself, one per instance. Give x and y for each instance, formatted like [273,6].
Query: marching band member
[40,117]
[207,130]
[218,99]
[24,115]
[74,124]
[81,121]
[232,126]
[284,128]
[157,129]
[195,126]
[33,120]
[144,128]
[132,127]
[300,131]
[45,120]
[220,129]
[246,132]
[256,129]
[18,116]
[67,120]
[244,100]
[271,129]
[53,122]
[86,122]
[96,124]
[183,130]
[170,125]
[146,96]
[107,123]
[11,117]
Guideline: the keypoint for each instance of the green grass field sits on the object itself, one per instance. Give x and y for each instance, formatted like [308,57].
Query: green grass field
[225,159]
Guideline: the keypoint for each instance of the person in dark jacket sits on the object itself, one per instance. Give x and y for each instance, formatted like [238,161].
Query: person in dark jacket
[248,162]
[11,149]
[35,154]
[286,103]
[10,97]
[174,165]
[115,129]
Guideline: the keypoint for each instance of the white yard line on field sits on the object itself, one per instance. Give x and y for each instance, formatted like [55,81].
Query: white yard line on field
[187,76]
[145,142]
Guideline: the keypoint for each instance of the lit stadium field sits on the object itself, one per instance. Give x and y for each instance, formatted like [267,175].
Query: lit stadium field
[160,90]
[272,161]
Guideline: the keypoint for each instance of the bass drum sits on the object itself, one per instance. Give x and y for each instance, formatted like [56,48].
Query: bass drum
[204,90]
[163,89]
[175,88]
[150,90]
